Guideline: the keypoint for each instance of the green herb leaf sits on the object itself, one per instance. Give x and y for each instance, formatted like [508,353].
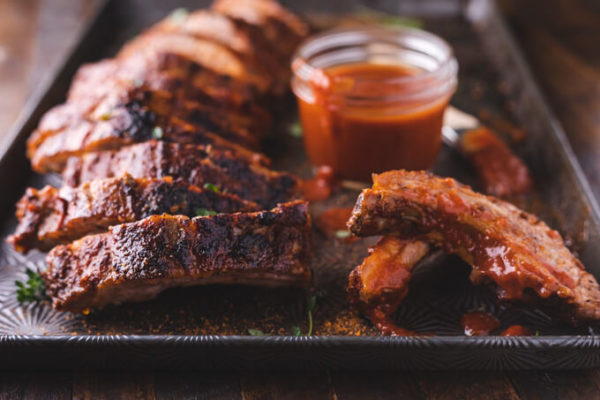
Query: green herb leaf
[295,130]
[33,290]
[312,301]
[210,186]
[255,332]
[179,15]
[203,212]
[105,116]
[537,333]
[342,234]
[296,330]
[157,132]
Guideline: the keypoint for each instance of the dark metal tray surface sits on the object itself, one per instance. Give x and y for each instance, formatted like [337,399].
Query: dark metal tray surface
[206,327]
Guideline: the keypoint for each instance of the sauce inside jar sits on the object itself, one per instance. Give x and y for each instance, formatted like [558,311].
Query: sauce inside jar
[359,121]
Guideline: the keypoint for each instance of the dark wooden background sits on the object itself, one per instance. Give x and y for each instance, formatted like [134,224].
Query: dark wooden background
[561,40]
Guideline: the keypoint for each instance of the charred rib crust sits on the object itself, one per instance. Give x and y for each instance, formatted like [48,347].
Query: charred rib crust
[53,216]
[196,165]
[268,247]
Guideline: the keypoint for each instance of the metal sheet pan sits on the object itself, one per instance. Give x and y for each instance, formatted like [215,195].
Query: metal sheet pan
[206,327]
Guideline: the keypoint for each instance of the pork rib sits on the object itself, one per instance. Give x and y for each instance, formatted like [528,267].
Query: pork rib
[196,165]
[136,261]
[525,258]
[378,285]
[137,120]
[52,216]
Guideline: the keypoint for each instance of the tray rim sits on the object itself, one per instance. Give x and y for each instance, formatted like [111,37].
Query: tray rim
[33,107]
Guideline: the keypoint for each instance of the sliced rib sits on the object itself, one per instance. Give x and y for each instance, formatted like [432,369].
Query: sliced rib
[136,261]
[52,216]
[196,165]
[525,258]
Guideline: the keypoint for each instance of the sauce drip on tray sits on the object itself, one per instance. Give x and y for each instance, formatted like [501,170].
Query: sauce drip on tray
[479,323]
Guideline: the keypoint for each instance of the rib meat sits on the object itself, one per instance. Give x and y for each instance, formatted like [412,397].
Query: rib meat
[117,125]
[166,71]
[501,172]
[525,258]
[136,261]
[380,283]
[237,35]
[196,165]
[209,54]
[279,26]
[52,216]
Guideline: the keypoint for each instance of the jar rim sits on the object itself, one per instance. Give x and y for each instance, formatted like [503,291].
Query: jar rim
[445,69]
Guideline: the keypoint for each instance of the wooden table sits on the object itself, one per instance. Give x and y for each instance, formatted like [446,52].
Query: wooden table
[560,39]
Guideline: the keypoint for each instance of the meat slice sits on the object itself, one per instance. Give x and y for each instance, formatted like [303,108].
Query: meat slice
[526,259]
[170,72]
[144,116]
[209,54]
[500,171]
[52,216]
[196,165]
[136,261]
[378,285]
[279,26]
[239,36]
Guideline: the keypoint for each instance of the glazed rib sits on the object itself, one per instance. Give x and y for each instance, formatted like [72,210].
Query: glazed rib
[52,216]
[378,285]
[526,259]
[211,55]
[136,261]
[279,26]
[237,35]
[196,165]
[135,121]
[500,171]
[167,71]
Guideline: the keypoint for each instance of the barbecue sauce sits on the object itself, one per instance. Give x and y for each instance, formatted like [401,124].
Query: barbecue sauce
[516,330]
[479,323]
[352,125]
[319,187]
[332,222]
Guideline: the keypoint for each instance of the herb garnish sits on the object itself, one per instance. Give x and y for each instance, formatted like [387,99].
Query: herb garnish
[295,130]
[179,15]
[33,290]
[157,132]
[210,186]
[342,234]
[203,212]
[105,116]
[255,332]
[310,306]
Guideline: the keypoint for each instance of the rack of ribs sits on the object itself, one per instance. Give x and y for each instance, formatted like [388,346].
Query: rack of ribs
[196,165]
[136,261]
[52,216]
[525,259]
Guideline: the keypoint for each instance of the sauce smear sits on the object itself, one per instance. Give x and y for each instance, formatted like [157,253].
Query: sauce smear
[368,117]
[479,323]
[332,223]
[516,330]
[321,186]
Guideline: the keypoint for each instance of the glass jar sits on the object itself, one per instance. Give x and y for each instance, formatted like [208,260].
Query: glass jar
[372,99]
